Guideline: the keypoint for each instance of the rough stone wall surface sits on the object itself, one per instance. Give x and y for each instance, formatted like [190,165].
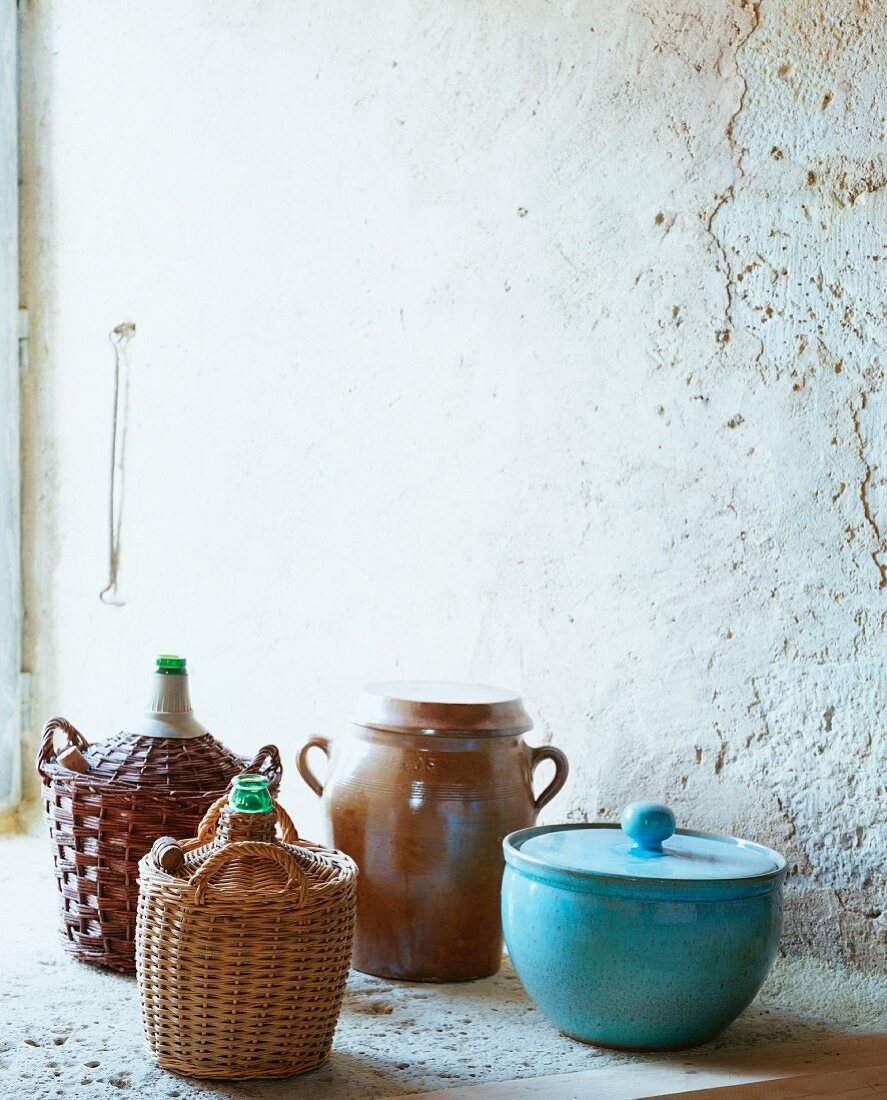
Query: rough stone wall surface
[538,344]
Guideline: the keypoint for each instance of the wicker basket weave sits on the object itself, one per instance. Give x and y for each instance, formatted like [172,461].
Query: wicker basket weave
[242,955]
[102,821]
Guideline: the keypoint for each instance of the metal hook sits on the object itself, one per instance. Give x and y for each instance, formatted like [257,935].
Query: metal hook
[119,337]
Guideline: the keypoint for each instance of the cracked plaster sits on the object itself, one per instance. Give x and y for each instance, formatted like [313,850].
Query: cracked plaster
[541,345]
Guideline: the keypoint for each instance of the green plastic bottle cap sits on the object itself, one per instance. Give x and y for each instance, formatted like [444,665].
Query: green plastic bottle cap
[250,795]
[168,665]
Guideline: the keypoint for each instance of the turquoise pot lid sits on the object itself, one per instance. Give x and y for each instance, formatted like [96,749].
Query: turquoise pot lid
[647,846]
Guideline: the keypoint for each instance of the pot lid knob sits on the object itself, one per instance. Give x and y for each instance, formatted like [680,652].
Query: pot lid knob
[647,824]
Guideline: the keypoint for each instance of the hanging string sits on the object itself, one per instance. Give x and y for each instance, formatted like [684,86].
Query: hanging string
[120,338]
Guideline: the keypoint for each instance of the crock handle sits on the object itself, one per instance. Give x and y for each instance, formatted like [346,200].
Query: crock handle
[306,773]
[561,771]
[46,755]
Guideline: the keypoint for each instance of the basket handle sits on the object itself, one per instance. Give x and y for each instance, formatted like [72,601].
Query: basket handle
[47,755]
[272,770]
[206,830]
[296,877]
[561,771]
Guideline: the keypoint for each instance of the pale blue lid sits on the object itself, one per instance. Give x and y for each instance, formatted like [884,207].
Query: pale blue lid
[647,846]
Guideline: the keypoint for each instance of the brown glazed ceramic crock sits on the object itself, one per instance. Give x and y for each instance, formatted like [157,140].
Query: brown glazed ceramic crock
[420,793]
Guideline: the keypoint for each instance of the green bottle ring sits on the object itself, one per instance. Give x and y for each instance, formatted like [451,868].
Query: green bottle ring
[170,665]
[250,795]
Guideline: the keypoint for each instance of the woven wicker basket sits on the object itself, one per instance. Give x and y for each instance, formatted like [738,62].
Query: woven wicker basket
[242,955]
[103,820]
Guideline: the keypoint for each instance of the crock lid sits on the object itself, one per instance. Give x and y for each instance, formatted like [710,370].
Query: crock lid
[647,846]
[435,705]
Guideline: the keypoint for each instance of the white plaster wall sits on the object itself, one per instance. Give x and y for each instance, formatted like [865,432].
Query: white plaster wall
[529,343]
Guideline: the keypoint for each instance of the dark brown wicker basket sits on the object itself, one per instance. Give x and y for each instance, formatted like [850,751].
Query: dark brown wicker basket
[102,821]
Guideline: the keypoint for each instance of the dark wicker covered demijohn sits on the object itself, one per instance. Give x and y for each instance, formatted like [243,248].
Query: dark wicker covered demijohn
[107,803]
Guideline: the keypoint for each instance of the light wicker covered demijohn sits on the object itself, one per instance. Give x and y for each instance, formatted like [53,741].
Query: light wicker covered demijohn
[243,943]
[106,804]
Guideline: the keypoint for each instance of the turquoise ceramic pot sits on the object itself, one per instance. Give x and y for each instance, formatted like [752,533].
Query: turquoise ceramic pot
[637,938]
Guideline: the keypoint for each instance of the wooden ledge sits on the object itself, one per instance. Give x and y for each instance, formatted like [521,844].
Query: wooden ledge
[846,1067]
